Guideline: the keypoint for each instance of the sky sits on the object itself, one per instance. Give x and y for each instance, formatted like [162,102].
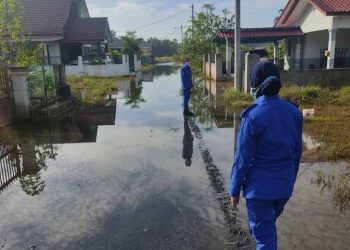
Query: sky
[163,18]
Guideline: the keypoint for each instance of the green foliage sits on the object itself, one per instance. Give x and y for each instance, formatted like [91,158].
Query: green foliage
[15,47]
[131,46]
[92,90]
[236,100]
[197,37]
[163,47]
[311,95]
[41,85]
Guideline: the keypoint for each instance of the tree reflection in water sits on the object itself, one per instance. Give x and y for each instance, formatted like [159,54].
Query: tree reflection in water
[135,98]
[338,184]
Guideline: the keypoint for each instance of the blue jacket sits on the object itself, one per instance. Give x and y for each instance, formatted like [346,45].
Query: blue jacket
[268,152]
[186,77]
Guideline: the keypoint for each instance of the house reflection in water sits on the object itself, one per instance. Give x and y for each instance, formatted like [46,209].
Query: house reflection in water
[25,148]
[215,93]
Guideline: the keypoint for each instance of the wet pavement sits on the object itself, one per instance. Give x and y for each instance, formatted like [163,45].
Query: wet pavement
[133,174]
[105,179]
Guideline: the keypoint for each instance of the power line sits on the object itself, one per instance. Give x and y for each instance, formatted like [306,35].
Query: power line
[159,21]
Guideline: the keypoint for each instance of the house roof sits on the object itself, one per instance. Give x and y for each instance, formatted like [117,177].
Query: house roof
[87,30]
[258,35]
[327,7]
[45,17]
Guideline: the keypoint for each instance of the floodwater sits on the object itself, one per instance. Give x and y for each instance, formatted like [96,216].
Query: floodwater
[110,177]
[310,220]
[130,174]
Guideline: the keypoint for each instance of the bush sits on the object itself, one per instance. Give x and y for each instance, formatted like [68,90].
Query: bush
[236,100]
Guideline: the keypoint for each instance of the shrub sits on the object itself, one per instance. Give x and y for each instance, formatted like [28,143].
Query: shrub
[234,99]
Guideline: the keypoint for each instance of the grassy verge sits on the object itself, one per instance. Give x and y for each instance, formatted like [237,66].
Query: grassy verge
[164,59]
[147,67]
[93,90]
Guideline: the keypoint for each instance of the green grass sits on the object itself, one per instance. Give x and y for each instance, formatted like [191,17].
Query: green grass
[164,59]
[147,67]
[236,100]
[92,90]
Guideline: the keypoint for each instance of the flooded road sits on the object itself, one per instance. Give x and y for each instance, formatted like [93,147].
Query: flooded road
[110,177]
[131,174]
[310,220]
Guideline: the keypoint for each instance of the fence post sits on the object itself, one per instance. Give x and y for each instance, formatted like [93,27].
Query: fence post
[250,61]
[20,92]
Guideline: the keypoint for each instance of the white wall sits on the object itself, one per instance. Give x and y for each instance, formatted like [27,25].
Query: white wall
[137,63]
[105,70]
[313,20]
[341,22]
[54,51]
[314,42]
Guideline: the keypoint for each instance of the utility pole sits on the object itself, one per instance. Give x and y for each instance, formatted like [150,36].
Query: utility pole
[192,14]
[182,34]
[238,66]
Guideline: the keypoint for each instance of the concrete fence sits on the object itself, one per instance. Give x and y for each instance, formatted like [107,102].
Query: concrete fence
[322,77]
[137,63]
[103,70]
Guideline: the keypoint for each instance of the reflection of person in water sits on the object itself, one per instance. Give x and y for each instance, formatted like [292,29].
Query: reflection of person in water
[187,149]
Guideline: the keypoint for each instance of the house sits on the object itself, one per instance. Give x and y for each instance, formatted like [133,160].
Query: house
[147,55]
[325,42]
[316,34]
[66,29]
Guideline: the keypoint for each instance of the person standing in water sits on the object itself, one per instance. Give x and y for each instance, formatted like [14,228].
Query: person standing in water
[186,85]
[268,153]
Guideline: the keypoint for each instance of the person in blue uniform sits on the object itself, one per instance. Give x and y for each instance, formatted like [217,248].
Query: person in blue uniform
[268,153]
[187,149]
[186,85]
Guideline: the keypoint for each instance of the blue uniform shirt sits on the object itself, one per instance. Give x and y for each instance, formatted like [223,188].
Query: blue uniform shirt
[268,152]
[186,77]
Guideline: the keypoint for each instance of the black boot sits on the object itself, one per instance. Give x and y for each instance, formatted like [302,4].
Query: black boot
[187,112]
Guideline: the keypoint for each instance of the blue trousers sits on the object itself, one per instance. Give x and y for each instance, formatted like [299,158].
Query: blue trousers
[262,215]
[186,96]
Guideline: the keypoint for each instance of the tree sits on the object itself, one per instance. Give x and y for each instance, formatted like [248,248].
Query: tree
[131,46]
[15,46]
[197,38]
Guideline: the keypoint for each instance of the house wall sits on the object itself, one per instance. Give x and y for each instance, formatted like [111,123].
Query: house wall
[105,70]
[322,77]
[54,52]
[137,63]
[313,20]
[313,43]
[343,40]
[341,22]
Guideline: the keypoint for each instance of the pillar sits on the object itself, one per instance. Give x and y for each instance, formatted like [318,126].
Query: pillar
[238,66]
[331,48]
[218,67]
[209,68]
[228,59]
[275,52]
[204,65]
[20,92]
[250,61]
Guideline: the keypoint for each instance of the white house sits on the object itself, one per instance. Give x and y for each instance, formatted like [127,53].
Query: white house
[325,42]
[71,37]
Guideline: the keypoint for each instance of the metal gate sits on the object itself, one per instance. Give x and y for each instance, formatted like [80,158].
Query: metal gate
[5,98]
[10,168]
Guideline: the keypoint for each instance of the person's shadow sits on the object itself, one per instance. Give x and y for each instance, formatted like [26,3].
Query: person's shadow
[187,150]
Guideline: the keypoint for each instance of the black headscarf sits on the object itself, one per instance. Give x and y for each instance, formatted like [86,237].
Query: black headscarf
[265,78]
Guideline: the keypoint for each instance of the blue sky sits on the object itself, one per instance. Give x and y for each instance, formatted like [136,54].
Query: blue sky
[136,15]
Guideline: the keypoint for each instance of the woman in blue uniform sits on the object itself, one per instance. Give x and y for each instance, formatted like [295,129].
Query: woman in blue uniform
[268,152]
[186,82]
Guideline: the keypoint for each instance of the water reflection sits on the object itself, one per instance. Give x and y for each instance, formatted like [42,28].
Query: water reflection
[187,149]
[26,148]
